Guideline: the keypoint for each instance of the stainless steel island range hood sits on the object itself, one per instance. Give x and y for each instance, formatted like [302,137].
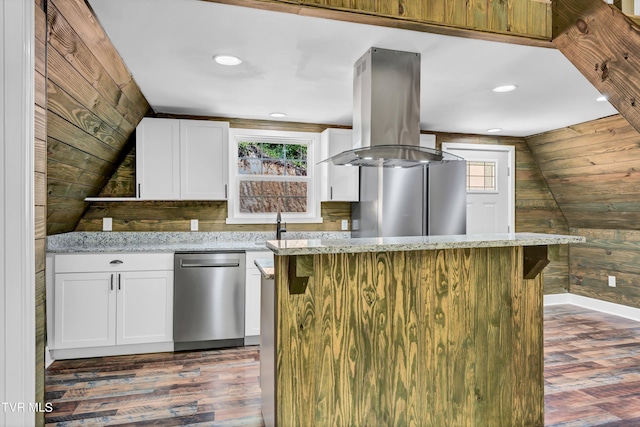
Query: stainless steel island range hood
[386,113]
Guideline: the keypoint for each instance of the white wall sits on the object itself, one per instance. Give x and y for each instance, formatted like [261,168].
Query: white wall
[17,268]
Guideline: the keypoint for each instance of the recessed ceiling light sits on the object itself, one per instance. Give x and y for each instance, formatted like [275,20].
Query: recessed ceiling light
[278,115]
[424,161]
[368,158]
[227,60]
[348,164]
[601,98]
[494,130]
[505,88]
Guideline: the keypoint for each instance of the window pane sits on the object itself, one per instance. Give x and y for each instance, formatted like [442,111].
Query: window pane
[248,149]
[274,188]
[271,204]
[296,151]
[296,189]
[250,188]
[273,167]
[272,151]
[250,166]
[481,176]
[295,204]
[296,168]
[251,204]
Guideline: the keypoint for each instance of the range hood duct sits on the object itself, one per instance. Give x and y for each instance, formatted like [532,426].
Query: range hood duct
[386,113]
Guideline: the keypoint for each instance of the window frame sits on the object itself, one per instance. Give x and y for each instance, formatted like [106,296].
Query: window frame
[312,139]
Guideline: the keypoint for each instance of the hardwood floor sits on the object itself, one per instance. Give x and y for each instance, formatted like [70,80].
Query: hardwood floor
[592,378]
[592,368]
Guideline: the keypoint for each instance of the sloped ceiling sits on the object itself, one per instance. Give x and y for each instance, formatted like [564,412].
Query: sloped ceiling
[93,107]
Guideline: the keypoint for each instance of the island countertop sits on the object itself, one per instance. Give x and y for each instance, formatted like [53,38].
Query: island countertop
[412,243]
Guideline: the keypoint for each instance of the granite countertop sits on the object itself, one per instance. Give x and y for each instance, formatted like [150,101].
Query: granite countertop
[76,242]
[266,268]
[388,244]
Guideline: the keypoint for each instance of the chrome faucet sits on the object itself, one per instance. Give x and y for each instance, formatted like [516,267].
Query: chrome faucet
[279,228]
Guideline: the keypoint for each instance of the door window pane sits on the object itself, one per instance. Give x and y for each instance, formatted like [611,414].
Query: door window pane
[481,176]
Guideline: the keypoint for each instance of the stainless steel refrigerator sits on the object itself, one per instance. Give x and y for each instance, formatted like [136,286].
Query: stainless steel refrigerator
[417,201]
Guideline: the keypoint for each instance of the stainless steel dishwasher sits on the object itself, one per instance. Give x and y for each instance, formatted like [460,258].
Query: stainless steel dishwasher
[208,308]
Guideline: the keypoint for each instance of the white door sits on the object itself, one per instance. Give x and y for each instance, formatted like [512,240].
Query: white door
[490,186]
[204,160]
[85,307]
[145,307]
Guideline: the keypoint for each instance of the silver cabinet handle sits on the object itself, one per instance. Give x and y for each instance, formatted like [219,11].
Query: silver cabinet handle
[116,261]
[119,283]
[139,191]
[112,282]
[225,192]
[331,196]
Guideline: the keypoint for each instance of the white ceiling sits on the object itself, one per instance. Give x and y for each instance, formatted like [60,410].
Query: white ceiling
[303,66]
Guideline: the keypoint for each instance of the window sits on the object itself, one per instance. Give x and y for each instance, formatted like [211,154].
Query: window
[272,170]
[481,176]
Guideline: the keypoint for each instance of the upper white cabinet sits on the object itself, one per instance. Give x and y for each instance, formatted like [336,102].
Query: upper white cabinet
[182,159]
[337,183]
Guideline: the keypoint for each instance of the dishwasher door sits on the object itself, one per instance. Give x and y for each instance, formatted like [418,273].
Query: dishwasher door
[208,308]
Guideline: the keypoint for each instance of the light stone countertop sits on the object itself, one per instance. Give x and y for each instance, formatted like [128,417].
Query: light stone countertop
[77,242]
[389,244]
[266,268]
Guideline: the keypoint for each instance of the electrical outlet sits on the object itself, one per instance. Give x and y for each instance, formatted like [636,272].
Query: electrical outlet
[612,281]
[107,224]
[345,224]
[194,225]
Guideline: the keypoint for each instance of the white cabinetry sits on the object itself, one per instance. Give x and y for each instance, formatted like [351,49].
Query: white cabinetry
[252,296]
[338,183]
[107,300]
[182,159]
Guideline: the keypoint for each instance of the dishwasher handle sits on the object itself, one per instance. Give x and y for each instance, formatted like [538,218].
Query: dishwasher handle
[205,264]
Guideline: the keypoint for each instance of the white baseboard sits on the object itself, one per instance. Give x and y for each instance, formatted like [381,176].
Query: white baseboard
[594,304]
[48,360]
[116,350]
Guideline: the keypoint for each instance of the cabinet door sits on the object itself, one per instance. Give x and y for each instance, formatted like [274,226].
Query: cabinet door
[204,160]
[85,309]
[158,159]
[145,307]
[339,183]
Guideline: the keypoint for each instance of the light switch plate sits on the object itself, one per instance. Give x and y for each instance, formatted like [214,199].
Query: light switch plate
[194,225]
[612,281]
[107,224]
[345,224]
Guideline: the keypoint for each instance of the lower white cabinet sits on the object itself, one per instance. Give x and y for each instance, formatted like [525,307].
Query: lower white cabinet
[129,303]
[252,296]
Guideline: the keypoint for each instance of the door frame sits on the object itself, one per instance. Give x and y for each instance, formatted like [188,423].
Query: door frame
[511,181]
[17,246]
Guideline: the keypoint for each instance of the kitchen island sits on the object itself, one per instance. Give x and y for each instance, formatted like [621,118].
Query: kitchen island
[424,331]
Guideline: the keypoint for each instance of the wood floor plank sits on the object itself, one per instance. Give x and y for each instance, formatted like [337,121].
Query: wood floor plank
[592,378]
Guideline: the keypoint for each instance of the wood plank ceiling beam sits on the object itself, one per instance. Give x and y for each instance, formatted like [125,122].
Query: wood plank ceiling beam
[604,45]
[363,16]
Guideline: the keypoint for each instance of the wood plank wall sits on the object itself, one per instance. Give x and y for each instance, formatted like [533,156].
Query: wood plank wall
[93,107]
[592,170]
[536,209]
[420,338]
[176,216]
[527,19]
[40,194]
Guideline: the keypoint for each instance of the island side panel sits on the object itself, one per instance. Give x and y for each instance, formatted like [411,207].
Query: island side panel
[447,337]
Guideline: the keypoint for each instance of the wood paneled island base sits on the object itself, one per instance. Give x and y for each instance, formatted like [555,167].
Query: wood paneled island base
[425,337]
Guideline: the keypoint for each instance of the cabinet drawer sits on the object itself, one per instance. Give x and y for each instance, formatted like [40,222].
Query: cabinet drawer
[252,256]
[77,263]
